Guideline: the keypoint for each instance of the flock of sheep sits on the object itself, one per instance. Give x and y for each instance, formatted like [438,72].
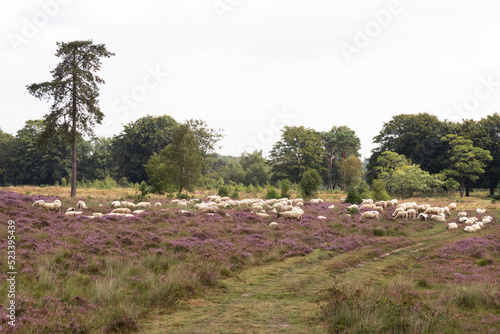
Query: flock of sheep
[287,208]
[412,210]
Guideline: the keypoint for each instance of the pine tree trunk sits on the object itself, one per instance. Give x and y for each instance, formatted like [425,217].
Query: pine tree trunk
[467,190]
[73,131]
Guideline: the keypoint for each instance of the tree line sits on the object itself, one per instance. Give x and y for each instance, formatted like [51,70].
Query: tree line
[416,154]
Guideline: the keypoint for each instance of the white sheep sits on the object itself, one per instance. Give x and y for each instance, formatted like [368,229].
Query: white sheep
[138,212]
[115,204]
[462,219]
[462,214]
[402,214]
[469,229]
[370,215]
[73,213]
[382,204]
[142,205]
[438,218]
[433,211]
[367,206]
[81,205]
[158,205]
[354,206]
[379,209]
[486,220]
[38,203]
[97,214]
[273,224]
[331,207]
[475,226]
[412,214]
[121,210]
[321,217]
[480,211]
[262,215]
[452,226]
[55,206]
[71,209]
[291,215]
[452,206]
[201,206]
[125,204]
[398,210]
[422,208]
[367,201]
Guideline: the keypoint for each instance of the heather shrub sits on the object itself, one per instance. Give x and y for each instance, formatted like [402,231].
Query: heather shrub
[378,232]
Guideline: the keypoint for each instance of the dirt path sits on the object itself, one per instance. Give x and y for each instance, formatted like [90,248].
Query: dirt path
[282,297]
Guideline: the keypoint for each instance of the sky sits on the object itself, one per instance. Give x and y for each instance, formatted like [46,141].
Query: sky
[251,67]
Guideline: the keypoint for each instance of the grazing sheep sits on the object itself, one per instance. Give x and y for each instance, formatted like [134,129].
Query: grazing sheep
[331,207]
[382,204]
[486,220]
[125,204]
[370,215]
[354,206]
[97,214]
[73,213]
[201,206]
[367,201]
[379,209]
[452,226]
[115,204]
[81,205]
[469,221]
[367,206]
[291,215]
[71,209]
[262,215]
[402,214]
[412,214]
[211,209]
[422,217]
[138,212]
[421,208]
[321,217]
[398,210]
[142,205]
[446,210]
[462,214]
[469,229]
[285,208]
[475,226]
[273,224]
[158,205]
[452,206]
[462,219]
[480,211]
[38,203]
[432,211]
[55,206]
[121,210]
[438,218]
[412,205]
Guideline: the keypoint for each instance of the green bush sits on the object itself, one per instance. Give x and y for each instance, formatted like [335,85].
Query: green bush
[272,193]
[378,190]
[353,196]
[353,211]
[310,182]
[223,191]
[285,188]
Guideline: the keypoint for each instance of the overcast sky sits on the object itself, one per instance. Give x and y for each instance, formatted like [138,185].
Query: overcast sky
[250,67]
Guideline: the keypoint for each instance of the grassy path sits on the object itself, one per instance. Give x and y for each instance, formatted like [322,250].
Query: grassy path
[282,297]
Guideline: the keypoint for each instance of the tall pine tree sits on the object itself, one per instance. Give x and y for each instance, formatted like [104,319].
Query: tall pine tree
[75,109]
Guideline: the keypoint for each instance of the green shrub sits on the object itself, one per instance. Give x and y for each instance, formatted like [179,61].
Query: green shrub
[285,188]
[310,182]
[379,192]
[272,193]
[223,191]
[353,197]
[378,232]
[353,211]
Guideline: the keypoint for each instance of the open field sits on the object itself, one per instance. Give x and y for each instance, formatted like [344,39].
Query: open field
[165,272]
